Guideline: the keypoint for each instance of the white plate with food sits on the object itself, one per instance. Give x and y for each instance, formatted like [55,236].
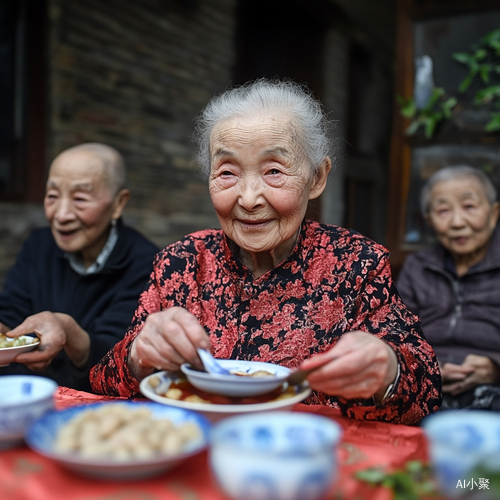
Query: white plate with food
[246,378]
[11,347]
[119,440]
[173,389]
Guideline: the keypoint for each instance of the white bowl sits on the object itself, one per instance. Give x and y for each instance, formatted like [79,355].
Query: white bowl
[236,385]
[279,456]
[218,411]
[23,398]
[461,441]
[8,354]
[42,434]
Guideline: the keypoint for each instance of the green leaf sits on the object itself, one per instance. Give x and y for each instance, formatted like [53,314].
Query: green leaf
[480,54]
[484,72]
[466,82]
[413,127]
[373,476]
[492,37]
[414,466]
[494,123]
[487,94]
[430,126]
[462,57]
[408,107]
[433,99]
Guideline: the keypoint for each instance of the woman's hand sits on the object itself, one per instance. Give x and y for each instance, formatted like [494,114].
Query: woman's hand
[361,366]
[56,331]
[167,339]
[475,370]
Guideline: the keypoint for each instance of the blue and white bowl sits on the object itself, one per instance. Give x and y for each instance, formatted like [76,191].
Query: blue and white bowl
[23,399]
[41,437]
[461,441]
[275,456]
[238,386]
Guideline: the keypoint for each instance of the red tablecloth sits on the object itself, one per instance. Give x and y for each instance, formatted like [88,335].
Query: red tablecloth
[24,475]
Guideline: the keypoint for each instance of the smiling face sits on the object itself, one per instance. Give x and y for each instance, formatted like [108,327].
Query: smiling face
[260,182]
[462,217]
[79,203]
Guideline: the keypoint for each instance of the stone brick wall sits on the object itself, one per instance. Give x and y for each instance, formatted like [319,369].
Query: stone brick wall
[134,75]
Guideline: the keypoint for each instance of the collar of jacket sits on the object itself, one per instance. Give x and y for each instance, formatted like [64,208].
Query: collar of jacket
[118,258]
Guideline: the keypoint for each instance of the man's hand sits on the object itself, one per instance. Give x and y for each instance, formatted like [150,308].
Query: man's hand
[4,328]
[475,370]
[56,331]
[361,366]
[167,339]
[52,339]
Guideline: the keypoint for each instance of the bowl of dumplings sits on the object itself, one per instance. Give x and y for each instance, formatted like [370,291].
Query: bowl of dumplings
[119,440]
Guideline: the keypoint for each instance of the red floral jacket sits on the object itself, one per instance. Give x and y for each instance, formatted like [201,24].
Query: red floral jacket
[334,281]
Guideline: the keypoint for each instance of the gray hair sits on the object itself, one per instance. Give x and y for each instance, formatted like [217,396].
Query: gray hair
[456,172]
[314,128]
[112,160]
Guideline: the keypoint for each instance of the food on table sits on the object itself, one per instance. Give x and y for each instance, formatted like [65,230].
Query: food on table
[258,373]
[182,390]
[11,342]
[118,432]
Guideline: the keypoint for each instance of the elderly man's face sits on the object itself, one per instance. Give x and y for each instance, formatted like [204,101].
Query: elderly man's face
[79,204]
[461,215]
[260,182]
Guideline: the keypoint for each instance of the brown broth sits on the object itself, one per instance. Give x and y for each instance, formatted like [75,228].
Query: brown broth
[189,390]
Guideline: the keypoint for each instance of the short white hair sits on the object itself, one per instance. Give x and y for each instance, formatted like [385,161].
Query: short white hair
[314,128]
[452,173]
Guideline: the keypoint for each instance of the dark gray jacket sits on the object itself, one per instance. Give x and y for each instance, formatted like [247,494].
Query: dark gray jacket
[459,316]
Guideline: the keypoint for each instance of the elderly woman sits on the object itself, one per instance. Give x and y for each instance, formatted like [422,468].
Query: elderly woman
[271,286]
[76,283]
[455,286]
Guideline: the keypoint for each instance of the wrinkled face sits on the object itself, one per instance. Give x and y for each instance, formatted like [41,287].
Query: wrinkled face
[78,203]
[462,216]
[260,182]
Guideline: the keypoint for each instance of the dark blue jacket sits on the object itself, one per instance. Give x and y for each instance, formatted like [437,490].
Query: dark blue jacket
[102,303]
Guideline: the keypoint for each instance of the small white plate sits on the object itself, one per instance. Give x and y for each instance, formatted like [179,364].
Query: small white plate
[42,434]
[237,385]
[8,354]
[217,411]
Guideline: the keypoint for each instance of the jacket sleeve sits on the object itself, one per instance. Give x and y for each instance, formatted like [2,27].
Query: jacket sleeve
[382,313]
[109,328]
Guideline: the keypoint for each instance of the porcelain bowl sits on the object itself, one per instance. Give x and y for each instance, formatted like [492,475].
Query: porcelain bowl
[235,385]
[8,354]
[42,434]
[275,455]
[23,399]
[461,441]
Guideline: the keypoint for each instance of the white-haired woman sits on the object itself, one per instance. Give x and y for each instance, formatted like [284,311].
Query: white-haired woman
[271,286]
[455,286]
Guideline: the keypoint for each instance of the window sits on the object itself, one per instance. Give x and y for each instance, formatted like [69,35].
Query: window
[22,95]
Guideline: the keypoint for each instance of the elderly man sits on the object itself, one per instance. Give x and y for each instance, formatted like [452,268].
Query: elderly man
[76,284]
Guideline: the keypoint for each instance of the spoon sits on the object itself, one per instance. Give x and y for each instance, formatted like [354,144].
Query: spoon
[214,368]
[210,363]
